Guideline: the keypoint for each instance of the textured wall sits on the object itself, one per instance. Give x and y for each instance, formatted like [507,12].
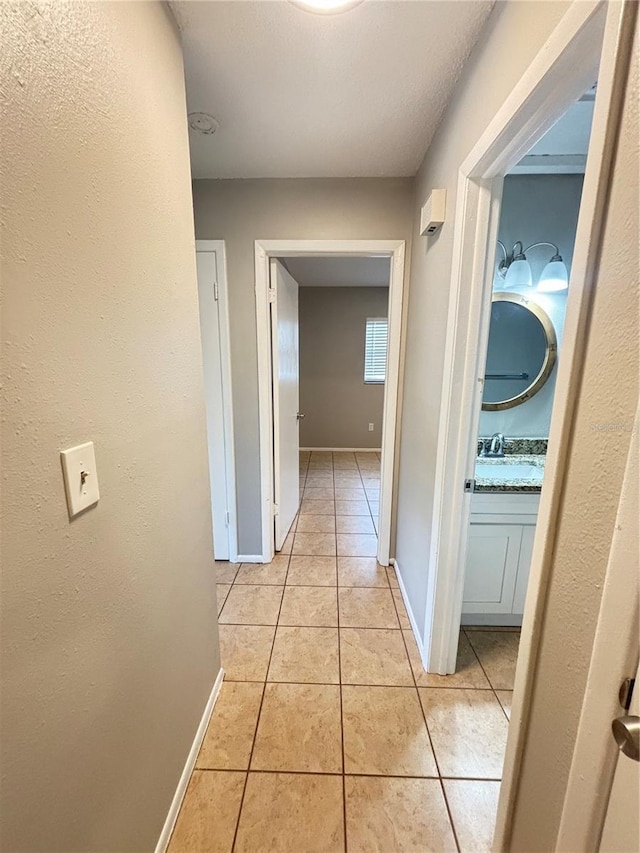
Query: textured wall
[241,212]
[537,207]
[488,77]
[598,453]
[109,637]
[337,403]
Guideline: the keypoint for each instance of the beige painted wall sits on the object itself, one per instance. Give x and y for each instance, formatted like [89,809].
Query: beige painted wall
[488,77]
[109,637]
[598,452]
[242,211]
[337,404]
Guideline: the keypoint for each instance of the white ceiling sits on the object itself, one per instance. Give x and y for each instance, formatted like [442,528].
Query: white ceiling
[563,148]
[340,272]
[358,94]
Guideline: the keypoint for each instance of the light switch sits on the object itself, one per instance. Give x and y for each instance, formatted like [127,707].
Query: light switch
[80,477]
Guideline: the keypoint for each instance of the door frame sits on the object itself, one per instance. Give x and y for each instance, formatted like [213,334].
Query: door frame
[590,42]
[226,403]
[264,251]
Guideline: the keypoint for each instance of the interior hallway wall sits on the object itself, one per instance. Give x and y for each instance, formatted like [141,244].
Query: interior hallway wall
[109,637]
[337,403]
[242,211]
[535,208]
[487,79]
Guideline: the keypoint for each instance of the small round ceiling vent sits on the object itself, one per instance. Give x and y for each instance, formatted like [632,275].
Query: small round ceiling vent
[203,123]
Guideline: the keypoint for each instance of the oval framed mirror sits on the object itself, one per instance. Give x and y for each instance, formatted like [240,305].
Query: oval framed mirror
[521,353]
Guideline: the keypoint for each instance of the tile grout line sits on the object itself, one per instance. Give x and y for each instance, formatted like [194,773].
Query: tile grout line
[344,787]
[433,752]
[493,689]
[255,732]
[350,775]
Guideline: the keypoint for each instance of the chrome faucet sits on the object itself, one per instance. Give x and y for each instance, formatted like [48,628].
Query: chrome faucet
[496,448]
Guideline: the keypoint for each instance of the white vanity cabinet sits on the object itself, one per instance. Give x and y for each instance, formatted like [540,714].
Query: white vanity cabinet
[499,557]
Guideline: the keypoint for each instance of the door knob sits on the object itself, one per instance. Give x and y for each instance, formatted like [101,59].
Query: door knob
[300,416]
[626,731]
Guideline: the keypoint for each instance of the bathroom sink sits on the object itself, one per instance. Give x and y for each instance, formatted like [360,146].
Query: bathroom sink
[504,471]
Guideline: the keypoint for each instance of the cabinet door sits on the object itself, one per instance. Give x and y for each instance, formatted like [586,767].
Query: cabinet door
[492,567]
[524,565]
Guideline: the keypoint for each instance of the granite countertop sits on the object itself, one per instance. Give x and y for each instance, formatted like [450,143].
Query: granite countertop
[514,472]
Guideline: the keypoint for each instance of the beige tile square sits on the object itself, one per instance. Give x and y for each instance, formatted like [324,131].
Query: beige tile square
[289,813]
[252,605]
[357,545]
[307,655]
[372,494]
[468,671]
[350,493]
[245,651]
[505,697]
[385,733]
[371,656]
[222,591]
[468,731]
[312,571]
[355,524]
[315,544]
[361,607]
[361,571]
[352,508]
[473,807]
[299,729]
[498,653]
[401,609]
[209,813]
[315,507]
[273,573]
[310,606]
[323,479]
[318,493]
[226,572]
[316,524]
[385,815]
[393,580]
[344,480]
[229,738]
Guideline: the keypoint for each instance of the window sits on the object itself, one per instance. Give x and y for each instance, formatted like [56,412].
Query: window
[375,350]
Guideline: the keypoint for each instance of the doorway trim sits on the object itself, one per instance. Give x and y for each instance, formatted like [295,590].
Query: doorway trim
[264,251]
[584,47]
[221,295]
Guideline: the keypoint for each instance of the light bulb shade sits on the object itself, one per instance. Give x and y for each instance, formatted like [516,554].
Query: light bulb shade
[554,277]
[518,275]
[326,7]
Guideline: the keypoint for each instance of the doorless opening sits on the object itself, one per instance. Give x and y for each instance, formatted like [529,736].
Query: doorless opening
[271,444]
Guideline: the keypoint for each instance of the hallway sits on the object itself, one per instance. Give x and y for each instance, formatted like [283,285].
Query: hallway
[327,706]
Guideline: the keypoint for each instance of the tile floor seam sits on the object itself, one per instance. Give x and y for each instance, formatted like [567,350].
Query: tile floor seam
[493,689]
[255,731]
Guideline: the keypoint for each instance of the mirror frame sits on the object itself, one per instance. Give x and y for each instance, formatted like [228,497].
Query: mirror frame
[550,356]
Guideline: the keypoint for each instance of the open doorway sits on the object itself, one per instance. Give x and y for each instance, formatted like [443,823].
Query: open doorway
[347,389]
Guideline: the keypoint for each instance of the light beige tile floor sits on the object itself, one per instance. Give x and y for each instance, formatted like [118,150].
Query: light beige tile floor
[327,734]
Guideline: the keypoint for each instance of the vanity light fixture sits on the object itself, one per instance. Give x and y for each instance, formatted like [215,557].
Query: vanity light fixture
[515,269]
[326,7]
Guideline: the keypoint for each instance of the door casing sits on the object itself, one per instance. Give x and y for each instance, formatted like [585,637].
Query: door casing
[264,251]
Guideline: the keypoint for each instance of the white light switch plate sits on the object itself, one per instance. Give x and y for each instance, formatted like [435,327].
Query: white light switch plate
[80,477]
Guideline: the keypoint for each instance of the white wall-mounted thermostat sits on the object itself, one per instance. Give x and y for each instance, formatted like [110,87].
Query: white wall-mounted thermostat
[432,213]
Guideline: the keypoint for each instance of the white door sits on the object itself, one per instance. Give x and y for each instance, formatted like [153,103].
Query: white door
[602,807]
[215,344]
[621,831]
[285,366]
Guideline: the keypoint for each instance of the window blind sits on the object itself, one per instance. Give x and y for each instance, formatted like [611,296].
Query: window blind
[375,349]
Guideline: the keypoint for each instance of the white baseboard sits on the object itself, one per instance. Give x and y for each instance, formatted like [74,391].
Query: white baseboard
[174,808]
[412,618]
[249,558]
[345,449]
